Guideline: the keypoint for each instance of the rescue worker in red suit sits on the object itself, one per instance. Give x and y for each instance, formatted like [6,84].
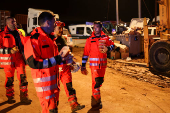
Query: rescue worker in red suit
[42,56]
[11,58]
[65,70]
[97,53]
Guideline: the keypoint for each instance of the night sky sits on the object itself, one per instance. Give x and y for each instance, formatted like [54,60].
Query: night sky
[82,10]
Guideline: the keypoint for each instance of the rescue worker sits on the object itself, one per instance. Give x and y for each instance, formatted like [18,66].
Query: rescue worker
[96,48]
[11,58]
[65,70]
[42,56]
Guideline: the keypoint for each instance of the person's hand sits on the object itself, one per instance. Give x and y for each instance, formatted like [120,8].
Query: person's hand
[84,71]
[14,50]
[68,59]
[64,52]
[103,49]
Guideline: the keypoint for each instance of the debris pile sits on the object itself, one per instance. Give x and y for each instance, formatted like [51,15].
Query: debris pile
[141,73]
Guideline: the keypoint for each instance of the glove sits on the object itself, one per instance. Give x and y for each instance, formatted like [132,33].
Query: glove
[84,71]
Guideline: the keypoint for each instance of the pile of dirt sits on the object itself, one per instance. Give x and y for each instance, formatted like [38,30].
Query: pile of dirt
[141,73]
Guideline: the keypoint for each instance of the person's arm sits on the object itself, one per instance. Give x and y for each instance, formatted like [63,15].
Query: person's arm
[85,57]
[32,54]
[110,44]
[86,53]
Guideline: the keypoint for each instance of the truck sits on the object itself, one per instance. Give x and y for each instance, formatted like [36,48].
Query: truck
[3,15]
[32,21]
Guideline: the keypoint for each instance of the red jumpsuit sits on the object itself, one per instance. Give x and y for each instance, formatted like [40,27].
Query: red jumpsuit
[10,62]
[98,61]
[42,56]
[66,76]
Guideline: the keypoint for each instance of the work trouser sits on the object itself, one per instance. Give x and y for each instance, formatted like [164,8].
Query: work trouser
[97,80]
[66,79]
[19,65]
[46,85]
[49,103]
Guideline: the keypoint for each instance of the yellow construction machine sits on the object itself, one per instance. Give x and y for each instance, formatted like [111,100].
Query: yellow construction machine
[157,54]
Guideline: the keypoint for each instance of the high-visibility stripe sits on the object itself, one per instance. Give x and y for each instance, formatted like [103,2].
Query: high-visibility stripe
[5,58]
[53,61]
[51,96]
[6,51]
[97,59]
[1,51]
[46,88]
[45,63]
[97,64]
[85,56]
[84,61]
[94,59]
[103,59]
[44,79]
[94,64]
[6,63]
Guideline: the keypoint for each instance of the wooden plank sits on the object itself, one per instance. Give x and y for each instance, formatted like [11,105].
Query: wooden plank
[127,62]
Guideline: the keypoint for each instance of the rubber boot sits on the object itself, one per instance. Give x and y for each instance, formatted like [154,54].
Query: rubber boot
[24,95]
[96,105]
[10,94]
[75,106]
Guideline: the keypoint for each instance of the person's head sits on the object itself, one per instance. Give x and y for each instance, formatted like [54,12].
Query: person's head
[58,30]
[97,28]
[11,23]
[46,21]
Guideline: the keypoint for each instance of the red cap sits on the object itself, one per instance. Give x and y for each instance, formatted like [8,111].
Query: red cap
[58,23]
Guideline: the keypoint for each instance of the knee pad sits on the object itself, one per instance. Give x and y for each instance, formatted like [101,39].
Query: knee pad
[55,110]
[23,80]
[10,81]
[70,89]
[99,81]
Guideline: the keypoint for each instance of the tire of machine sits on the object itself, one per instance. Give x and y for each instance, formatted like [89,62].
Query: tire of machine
[157,49]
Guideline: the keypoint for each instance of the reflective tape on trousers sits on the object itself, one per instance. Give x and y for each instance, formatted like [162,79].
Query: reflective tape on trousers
[5,58]
[6,63]
[51,96]
[97,59]
[46,88]
[97,64]
[44,79]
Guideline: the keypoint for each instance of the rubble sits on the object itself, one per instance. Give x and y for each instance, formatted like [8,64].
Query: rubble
[141,73]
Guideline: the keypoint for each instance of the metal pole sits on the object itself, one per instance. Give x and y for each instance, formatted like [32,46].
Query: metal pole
[139,8]
[117,12]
